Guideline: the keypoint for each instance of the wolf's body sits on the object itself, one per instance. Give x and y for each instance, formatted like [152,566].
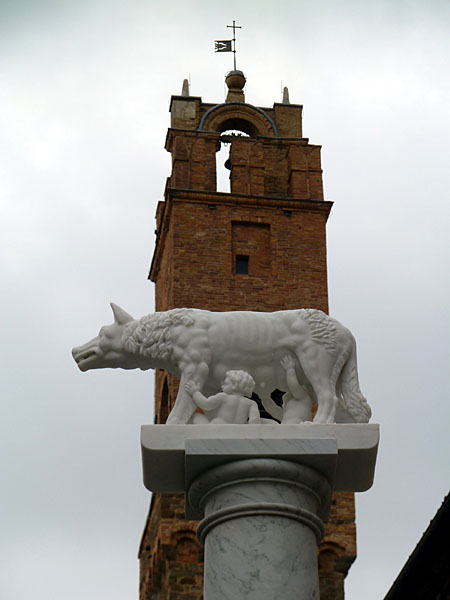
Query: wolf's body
[203,345]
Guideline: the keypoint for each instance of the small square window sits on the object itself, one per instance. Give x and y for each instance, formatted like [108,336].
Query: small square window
[241,264]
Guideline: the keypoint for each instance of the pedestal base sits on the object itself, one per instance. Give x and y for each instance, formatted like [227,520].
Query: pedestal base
[173,455]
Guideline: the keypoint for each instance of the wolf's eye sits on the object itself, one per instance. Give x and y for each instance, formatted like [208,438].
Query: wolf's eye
[104,345]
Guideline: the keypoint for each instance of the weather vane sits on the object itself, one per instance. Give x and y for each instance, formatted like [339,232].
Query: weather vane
[228,45]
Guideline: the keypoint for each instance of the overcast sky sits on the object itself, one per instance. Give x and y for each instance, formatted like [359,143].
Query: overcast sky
[85,89]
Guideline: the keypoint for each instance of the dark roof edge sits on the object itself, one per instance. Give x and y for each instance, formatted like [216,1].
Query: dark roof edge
[412,566]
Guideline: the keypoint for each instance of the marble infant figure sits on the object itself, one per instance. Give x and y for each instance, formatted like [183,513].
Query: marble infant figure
[232,405]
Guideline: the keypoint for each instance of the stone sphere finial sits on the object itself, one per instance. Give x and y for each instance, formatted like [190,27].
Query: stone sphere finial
[235,81]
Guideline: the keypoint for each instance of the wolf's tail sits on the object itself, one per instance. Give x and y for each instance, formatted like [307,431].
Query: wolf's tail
[349,392]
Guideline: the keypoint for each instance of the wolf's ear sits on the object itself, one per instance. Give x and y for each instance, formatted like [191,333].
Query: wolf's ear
[120,316]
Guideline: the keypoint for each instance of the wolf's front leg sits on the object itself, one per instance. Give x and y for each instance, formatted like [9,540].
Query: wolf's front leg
[184,406]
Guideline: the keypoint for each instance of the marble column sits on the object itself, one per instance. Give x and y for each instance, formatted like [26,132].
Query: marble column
[260,529]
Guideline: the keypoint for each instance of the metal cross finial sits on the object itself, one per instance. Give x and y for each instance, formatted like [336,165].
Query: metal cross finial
[234,27]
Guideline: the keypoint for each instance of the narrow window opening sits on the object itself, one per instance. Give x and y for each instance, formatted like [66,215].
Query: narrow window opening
[251,240]
[241,264]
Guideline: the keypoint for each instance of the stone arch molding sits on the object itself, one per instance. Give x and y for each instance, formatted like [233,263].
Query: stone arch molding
[236,115]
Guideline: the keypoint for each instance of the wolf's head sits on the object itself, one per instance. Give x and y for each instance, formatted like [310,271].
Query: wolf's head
[107,350]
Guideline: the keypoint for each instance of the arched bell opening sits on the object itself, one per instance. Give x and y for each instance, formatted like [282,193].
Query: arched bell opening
[239,125]
[249,119]
[223,166]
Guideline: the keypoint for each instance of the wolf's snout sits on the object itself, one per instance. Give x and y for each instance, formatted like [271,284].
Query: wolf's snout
[81,355]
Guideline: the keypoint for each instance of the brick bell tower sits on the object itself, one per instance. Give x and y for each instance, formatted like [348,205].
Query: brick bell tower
[262,247]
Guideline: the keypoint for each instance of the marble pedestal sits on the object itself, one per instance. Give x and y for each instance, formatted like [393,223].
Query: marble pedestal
[262,494]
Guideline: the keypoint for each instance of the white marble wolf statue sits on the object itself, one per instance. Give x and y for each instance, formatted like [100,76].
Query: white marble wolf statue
[202,346]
